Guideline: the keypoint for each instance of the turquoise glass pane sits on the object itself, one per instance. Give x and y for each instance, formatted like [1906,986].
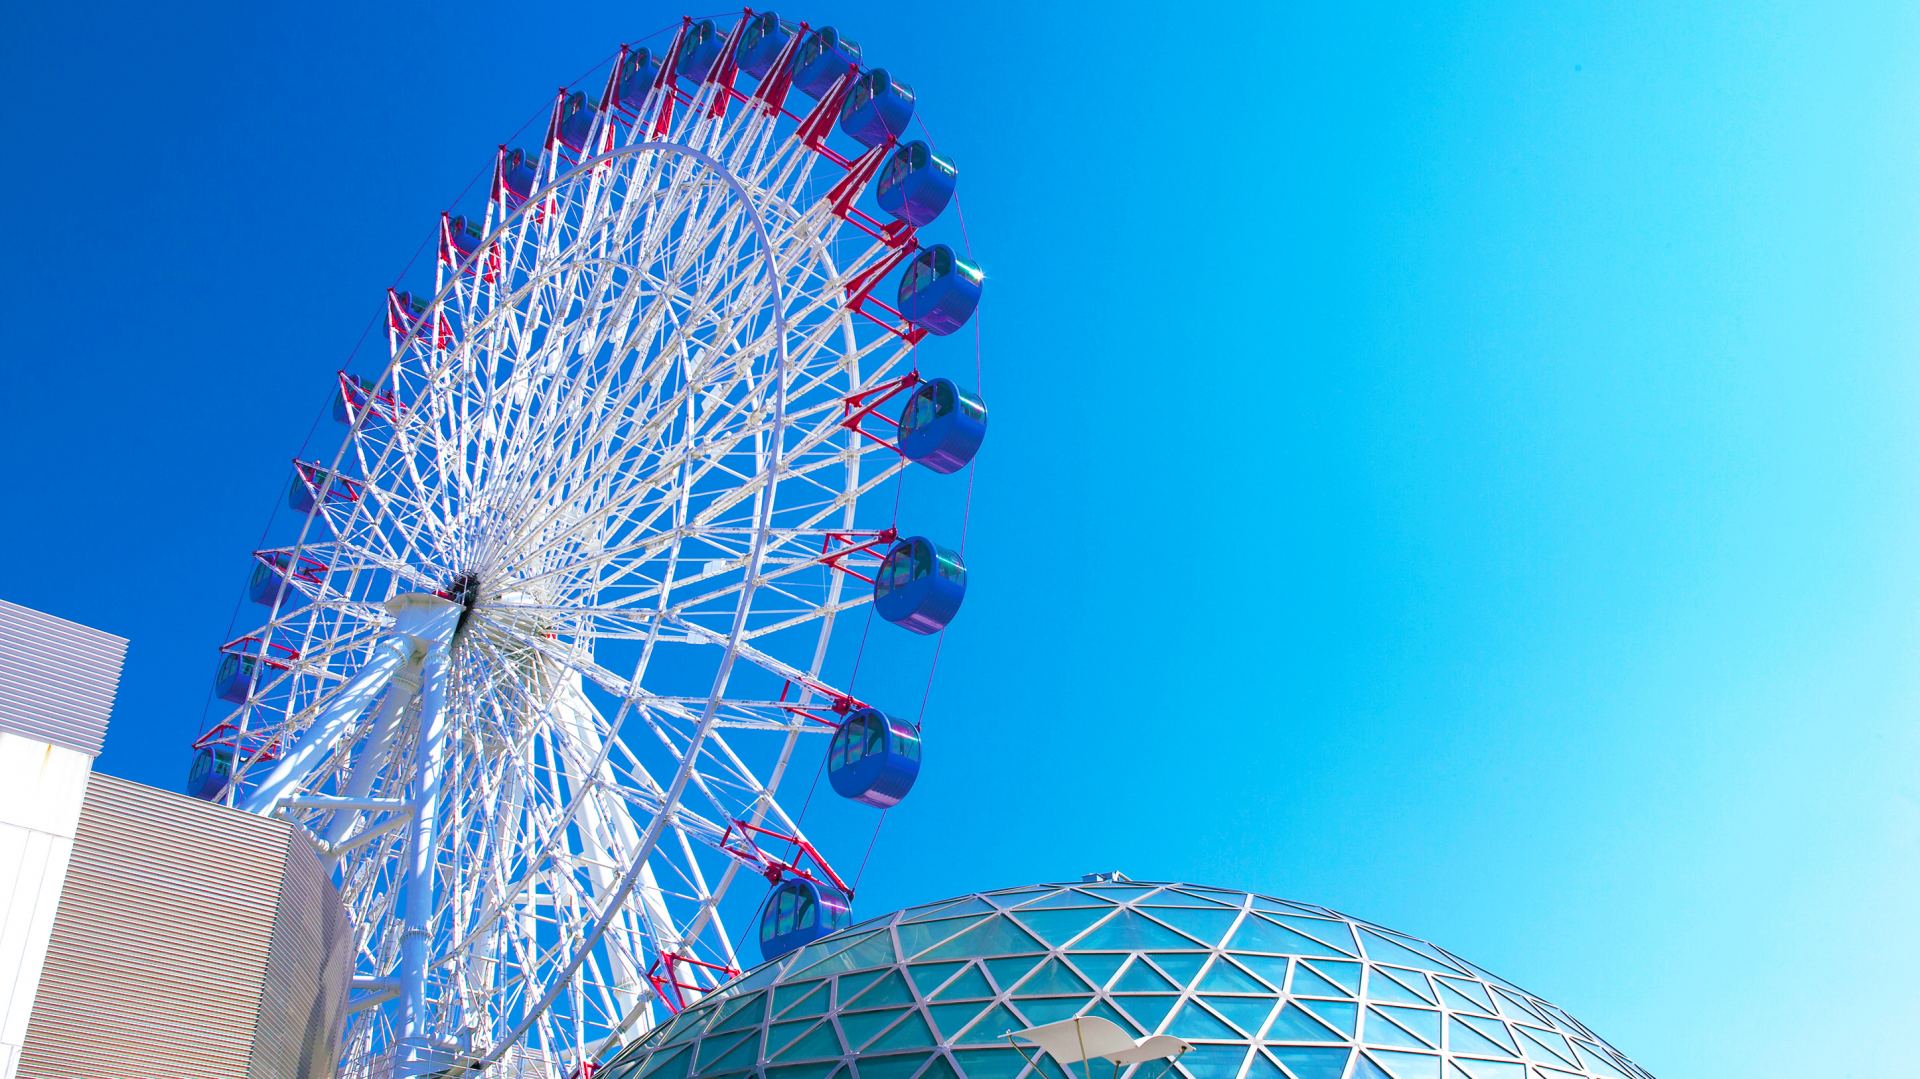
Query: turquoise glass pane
[1341,1015]
[910,1033]
[995,936]
[970,985]
[1247,1014]
[1379,1030]
[928,977]
[1140,977]
[859,1028]
[1060,926]
[1410,1065]
[1256,934]
[1295,1025]
[1148,1012]
[1214,1061]
[1347,974]
[1224,977]
[1051,979]
[1312,1063]
[1098,967]
[1422,1022]
[1193,1022]
[1491,1030]
[917,937]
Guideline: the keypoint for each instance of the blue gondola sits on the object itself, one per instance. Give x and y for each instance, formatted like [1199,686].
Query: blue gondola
[942,426]
[637,73]
[212,770]
[920,585]
[940,290]
[873,758]
[576,121]
[798,912]
[698,50]
[823,57]
[234,678]
[263,585]
[359,389]
[760,43]
[877,109]
[463,235]
[518,176]
[306,481]
[917,184]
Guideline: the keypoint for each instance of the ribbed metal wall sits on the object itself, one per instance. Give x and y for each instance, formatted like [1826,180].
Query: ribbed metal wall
[193,941]
[57,678]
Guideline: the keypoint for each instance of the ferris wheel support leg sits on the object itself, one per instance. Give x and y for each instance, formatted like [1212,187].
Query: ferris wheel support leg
[327,728]
[422,847]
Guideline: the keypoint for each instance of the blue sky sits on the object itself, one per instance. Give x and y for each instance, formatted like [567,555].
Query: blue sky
[1453,464]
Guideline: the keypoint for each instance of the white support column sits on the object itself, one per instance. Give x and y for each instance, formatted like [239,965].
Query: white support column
[418,1052]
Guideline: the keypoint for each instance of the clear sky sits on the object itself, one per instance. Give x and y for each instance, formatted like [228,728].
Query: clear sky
[1454,464]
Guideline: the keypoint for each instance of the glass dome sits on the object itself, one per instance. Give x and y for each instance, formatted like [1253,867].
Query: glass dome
[1263,988]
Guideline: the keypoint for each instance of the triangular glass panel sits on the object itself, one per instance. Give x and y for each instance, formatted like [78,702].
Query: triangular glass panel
[1119,893]
[1147,1012]
[1182,967]
[780,1035]
[1271,969]
[1247,1014]
[1224,977]
[799,999]
[1004,1062]
[1295,1025]
[972,984]
[1492,1030]
[859,1028]
[742,1056]
[1180,895]
[1384,990]
[1310,1063]
[1257,934]
[1098,967]
[1346,974]
[1140,977]
[910,1033]
[1214,1061]
[1060,926]
[1367,1069]
[852,985]
[897,1067]
[1263,1067]
[995,936]
[1067,897]
[991,1025]
[1011,969]
[874,949]
[1597,1063]
[804,960]
[1115,1016]
[1383,949]
[820,1043]
[1338,1014]
[1013,897]
[1410,1065]
[892,989]
[1515,1006]
[917,937]
[1379,1030]
[1468,990]
[1553,1049]
[951,1019]
[1336,934]
[1307,983]
[1283,906]
[1130,932]
[939,1069]
[1454,999]
[1207,926]
[741,1013]
[1490,1069]
[1040,1011]
[1052,978]
[1411,980]
[930,976]
[712,1049]
[1462,1038]
[1194,1023]
[1425,1024]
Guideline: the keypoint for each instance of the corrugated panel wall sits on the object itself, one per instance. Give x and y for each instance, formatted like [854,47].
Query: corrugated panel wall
[178,926]
[57,678]
[304,992]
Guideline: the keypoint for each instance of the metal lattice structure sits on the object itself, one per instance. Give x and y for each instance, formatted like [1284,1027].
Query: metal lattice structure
[554,628]
[1263,988]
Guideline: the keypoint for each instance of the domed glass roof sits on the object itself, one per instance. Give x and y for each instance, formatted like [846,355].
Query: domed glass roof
[1263,988]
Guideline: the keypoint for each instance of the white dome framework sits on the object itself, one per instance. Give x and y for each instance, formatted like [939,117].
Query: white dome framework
[558,618]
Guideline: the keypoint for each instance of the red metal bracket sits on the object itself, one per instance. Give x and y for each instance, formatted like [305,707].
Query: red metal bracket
[349,490]
[860,406]
[252,745]
[666,978]
[310,570]
[405,324]
[818,124]
[663,120]
[771,94]
[725,68]
[487,260]
[264,650]
[740,842]
[382,401]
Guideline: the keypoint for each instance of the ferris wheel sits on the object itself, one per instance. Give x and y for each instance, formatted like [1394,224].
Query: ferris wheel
[554,623]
